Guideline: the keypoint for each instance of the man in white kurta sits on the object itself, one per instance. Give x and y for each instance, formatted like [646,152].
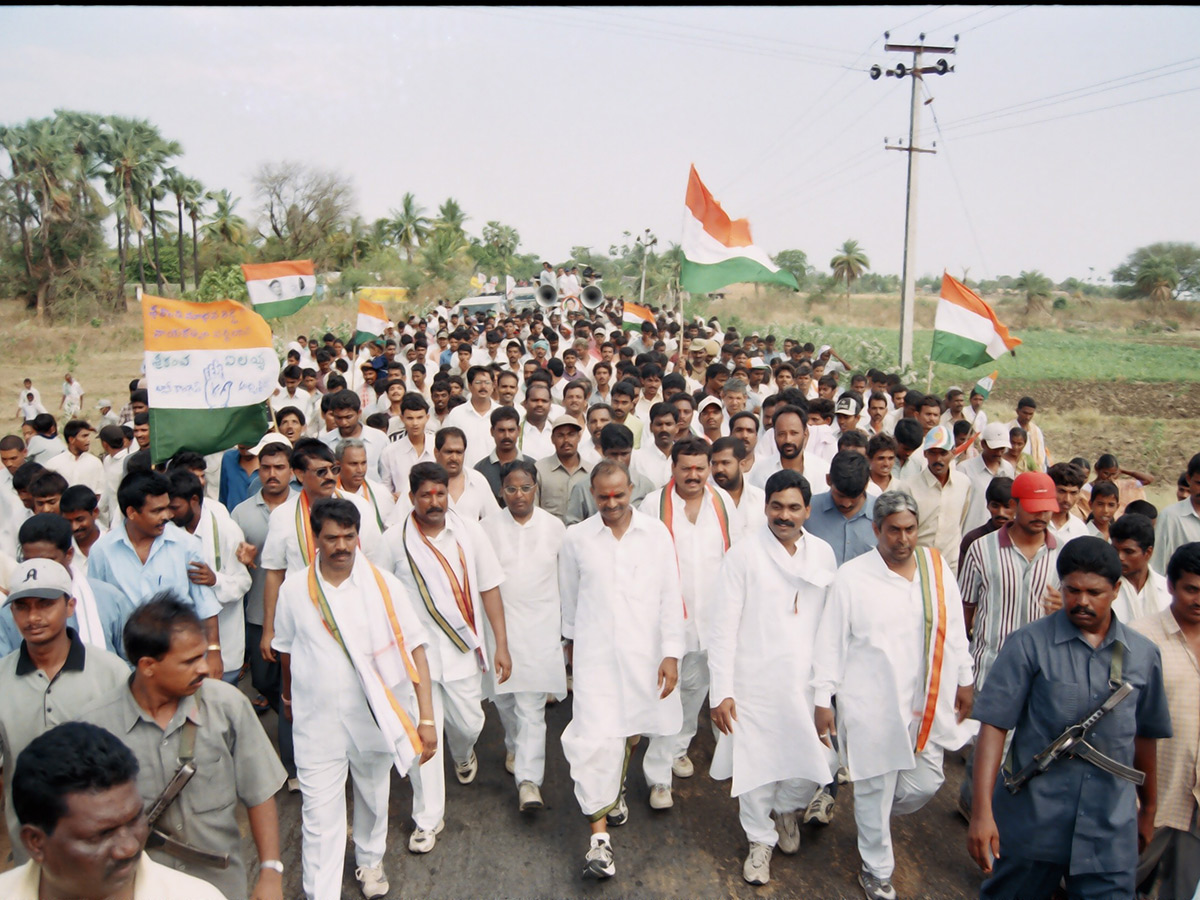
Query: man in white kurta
[452,577]
[772,590]
[526,539]
[700,519]
[353,480]
[889,613]
[623,611]
[336,727]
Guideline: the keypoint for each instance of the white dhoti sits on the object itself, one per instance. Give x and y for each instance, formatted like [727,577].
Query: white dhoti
[323,818]
[664,750]
[598,766]
[457,707]
[899,793]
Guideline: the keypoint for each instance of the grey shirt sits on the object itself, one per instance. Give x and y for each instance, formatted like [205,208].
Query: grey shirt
[1046,678]
[31,704]
[252,516]
[580,504]
[234,761]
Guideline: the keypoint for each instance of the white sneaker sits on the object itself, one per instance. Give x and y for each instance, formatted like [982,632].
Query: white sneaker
[876,888]
[683,768]
[620,813]
[788,830]
[293,785]
[660,797]
[510,763]
[820,808]
[466,772]
[422,841]
[757,868]
[372,881]
[529,796]
[599,860]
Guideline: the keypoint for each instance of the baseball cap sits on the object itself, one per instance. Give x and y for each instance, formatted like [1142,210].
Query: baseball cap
[995,435]
[1036,492]
[757,362]
[708,401]
[270,438]
[847,406]
[938,438]
[565,420]
[38,578]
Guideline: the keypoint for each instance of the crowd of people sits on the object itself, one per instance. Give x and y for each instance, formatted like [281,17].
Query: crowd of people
[472,512]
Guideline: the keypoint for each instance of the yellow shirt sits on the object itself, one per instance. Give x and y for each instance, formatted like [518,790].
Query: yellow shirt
[150,882]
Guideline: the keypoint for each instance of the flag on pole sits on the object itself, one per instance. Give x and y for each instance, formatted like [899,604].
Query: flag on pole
[372,321]
[210,368]
[280,288]
[717,250]
[632,316]
[510,287]
[966,331]
[983,387]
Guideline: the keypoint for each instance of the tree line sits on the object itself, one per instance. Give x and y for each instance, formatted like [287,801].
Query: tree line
[92,204]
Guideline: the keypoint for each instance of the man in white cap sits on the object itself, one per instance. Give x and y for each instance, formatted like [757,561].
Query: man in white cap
[941,495]
[51,655]
[712,418]
[107,416]
[980,470]
[847,413]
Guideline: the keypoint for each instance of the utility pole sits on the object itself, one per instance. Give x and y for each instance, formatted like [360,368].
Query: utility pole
[647,241]
[917,72]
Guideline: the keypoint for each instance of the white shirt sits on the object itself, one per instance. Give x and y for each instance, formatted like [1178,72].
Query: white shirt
[534,443]
[474,503]
[113,466]
[1132,604]
[815,471]
[82,469]
[652,463]
[980,477]
[528,554]
[331,715]
[379,498]
[399,458]
[623,608]
[751,509]
[233,579]
[446,661]
[1074,527]
[942,511]
[282,547]
[477,428]
[374,441]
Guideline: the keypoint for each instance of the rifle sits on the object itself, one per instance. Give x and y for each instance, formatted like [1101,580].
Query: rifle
[1073,742]
[161,840]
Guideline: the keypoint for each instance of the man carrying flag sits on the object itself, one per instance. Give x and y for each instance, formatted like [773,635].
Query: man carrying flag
[892,648]
[291,544]
[966,331]
[372,321]
[356,687]
[280,288]
[452,577]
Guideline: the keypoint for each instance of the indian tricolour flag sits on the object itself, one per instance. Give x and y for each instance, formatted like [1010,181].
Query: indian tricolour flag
[210,368]
[717,250]
[632,316]
[280,288]
[966,331]
[372,321]
[984,385]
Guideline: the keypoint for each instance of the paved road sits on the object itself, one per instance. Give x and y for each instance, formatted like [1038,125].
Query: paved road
[696,849]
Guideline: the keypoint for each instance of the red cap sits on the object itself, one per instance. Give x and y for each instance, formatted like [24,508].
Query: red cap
[1036,492]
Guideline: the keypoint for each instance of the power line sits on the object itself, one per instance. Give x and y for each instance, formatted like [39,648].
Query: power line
[1004,15]
[915,18]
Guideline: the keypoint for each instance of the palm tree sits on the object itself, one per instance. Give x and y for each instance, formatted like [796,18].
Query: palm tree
[410,227]
[850,262]
[128,148]
[194,201]
[1157,278]
[451,216]
[181,186]
[1036,287]
[441,252]
[224,225]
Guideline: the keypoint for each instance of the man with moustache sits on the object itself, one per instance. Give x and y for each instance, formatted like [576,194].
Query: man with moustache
[790,428]
[981,469]
[760,638]
[653,460]
[171,711]
[728,456]
[892,648]
[1073,822]
[941,495]
[558,474]
[698,516]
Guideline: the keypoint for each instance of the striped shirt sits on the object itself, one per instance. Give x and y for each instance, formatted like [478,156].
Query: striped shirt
[1006,590]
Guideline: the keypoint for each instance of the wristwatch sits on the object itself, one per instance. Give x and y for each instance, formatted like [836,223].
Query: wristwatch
[272,864]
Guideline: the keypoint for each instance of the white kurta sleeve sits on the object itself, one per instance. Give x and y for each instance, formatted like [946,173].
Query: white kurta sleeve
[724,621]
[233,579]
[670,614]
[829,649]
[956,630]
[568,585]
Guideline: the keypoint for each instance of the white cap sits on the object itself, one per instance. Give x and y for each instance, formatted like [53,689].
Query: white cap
[995,436]
[271,437]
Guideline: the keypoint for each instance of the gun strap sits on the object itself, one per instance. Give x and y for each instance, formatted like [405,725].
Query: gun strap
[187,742]
[1116,666]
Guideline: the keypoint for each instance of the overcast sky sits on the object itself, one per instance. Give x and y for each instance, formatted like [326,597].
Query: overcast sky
[575,125]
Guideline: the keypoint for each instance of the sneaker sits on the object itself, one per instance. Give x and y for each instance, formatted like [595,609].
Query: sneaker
[683,768]
[788,830]
[422,841]
[510,763]
[372,881]
[820,808]
[599,863]
[876,888]
[843,775]
[465,772]
[620,813]
[529,796]
[757,869]
[293,785]
[660,797]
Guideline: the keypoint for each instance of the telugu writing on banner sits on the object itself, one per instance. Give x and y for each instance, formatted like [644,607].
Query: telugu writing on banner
[210,368]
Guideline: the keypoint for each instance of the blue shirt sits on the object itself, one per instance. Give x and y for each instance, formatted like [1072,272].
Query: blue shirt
[114,561]
[1046,678]
[236,485]
[848,537]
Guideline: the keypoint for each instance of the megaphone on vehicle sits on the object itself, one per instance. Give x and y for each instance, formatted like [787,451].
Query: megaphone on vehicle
[591,297]
[547,296]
